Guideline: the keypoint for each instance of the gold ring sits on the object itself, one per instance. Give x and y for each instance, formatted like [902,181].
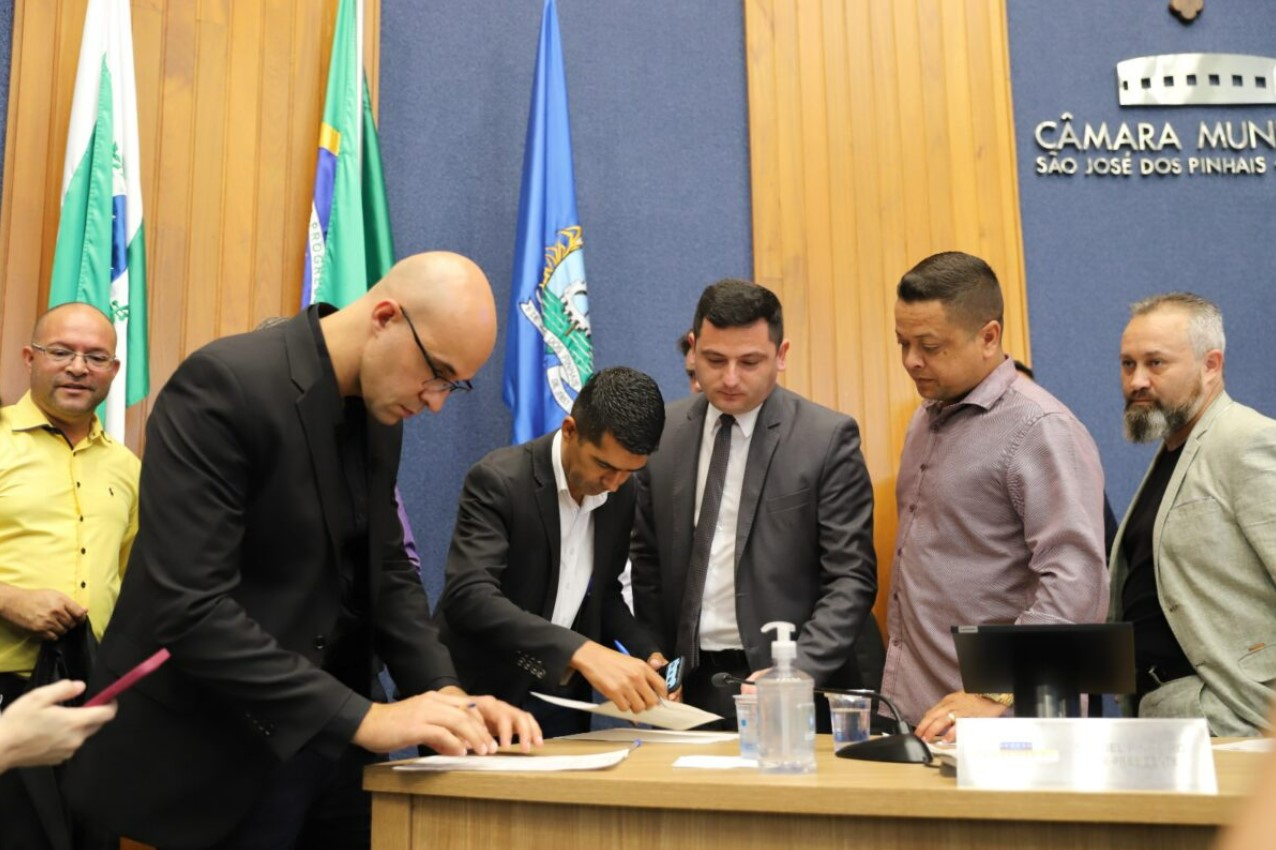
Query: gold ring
[952,717]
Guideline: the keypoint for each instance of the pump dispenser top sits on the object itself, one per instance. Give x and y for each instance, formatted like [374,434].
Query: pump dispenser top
[783,648]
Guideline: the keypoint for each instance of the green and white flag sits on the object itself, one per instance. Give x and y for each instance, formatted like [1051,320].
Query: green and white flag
[348,244]
[101,255]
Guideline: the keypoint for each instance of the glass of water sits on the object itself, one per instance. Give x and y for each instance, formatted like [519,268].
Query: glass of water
[850,716]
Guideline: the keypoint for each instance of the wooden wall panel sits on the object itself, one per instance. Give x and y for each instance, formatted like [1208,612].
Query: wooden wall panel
[230,95]
[881,132]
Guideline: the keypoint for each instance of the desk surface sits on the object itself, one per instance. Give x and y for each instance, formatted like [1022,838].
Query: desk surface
[839,787]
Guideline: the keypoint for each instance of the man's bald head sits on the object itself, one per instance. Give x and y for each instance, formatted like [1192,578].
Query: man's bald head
[450,302]
[77,310]
[407,344]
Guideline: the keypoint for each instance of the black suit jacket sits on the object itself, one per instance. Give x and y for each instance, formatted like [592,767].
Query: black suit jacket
[502,577]
[234,570]
[803,539]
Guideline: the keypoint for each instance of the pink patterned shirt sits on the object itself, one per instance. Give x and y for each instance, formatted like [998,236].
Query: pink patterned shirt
[1000,499]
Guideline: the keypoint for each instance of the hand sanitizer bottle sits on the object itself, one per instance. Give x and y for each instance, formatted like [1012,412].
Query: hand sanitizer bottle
[786,709]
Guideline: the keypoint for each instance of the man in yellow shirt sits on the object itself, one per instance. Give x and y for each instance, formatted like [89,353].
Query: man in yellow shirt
[68,499]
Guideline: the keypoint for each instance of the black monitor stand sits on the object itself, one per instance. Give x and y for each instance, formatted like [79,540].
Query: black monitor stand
[1047,668]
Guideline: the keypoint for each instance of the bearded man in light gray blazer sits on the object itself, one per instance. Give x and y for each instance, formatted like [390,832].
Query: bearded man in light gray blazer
[786,533]
[1194,562]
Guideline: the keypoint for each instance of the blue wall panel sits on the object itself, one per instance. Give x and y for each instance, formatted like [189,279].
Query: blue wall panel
[6,52]
[1095,244]
[660,132]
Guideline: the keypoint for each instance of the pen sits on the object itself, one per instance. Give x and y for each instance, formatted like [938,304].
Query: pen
[620,646]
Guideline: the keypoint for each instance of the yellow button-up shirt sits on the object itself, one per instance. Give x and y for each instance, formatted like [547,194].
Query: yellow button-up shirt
[68,516]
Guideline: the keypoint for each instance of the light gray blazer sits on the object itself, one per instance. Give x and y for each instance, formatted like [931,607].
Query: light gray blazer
[1215,562]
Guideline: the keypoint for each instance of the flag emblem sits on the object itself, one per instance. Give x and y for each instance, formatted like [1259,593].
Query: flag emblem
[559,310]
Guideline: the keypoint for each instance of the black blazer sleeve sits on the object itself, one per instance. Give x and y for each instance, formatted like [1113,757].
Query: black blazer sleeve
[613,524]
[847,560]
[474,602]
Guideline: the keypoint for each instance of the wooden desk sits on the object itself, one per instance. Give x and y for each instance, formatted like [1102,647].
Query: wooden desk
[644,803]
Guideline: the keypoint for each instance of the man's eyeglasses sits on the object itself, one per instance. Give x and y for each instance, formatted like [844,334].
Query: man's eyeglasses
[98,361]
[438,384]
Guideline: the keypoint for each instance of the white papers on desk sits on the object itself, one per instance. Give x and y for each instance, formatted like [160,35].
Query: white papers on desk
[519,763]
[1249,745]
[943,754]
[653,736]
[667,715]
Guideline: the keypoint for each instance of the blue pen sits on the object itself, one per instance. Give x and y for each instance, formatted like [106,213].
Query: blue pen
[620,646]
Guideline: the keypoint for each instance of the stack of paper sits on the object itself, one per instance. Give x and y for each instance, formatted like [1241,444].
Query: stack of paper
[652,736]
[519,763]
[667,715]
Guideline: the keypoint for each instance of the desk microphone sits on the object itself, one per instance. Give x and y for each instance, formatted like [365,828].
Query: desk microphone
[903,746]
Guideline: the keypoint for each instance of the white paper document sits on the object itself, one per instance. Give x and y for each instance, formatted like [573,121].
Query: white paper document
[715,762]
[653,736]
[667,715]
[519,763]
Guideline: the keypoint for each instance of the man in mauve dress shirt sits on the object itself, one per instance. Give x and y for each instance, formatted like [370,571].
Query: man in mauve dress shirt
[1000,496]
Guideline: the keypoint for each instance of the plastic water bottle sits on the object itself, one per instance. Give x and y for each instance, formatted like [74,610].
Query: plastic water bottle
[786,709]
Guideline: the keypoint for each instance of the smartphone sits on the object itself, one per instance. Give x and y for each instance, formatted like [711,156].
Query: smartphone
[129,679]
[673,675]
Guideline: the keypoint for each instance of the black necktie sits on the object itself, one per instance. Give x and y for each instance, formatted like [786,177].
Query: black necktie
[702,542]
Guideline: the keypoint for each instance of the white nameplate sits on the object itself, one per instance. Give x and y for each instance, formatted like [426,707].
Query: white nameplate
[1084,754]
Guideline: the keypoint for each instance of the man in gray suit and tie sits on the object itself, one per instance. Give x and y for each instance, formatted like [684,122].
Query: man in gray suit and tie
[758,507]
[1194,562]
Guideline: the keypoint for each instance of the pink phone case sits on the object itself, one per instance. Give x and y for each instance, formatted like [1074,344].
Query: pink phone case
[129,679]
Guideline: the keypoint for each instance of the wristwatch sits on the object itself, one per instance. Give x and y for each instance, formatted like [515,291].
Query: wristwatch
[1001,699]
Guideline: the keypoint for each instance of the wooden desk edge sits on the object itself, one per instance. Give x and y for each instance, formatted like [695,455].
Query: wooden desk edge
[800,795]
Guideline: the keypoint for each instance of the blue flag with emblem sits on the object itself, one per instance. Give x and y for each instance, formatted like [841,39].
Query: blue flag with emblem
[100,254]
[548,352]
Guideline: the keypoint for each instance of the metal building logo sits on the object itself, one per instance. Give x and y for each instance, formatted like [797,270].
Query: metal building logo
[1197,79]
[1219,144]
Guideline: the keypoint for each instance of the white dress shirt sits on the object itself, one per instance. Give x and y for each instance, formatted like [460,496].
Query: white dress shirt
[576,549]
[718,627]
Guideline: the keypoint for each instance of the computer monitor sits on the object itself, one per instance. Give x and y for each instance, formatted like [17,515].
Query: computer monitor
[1047,668]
